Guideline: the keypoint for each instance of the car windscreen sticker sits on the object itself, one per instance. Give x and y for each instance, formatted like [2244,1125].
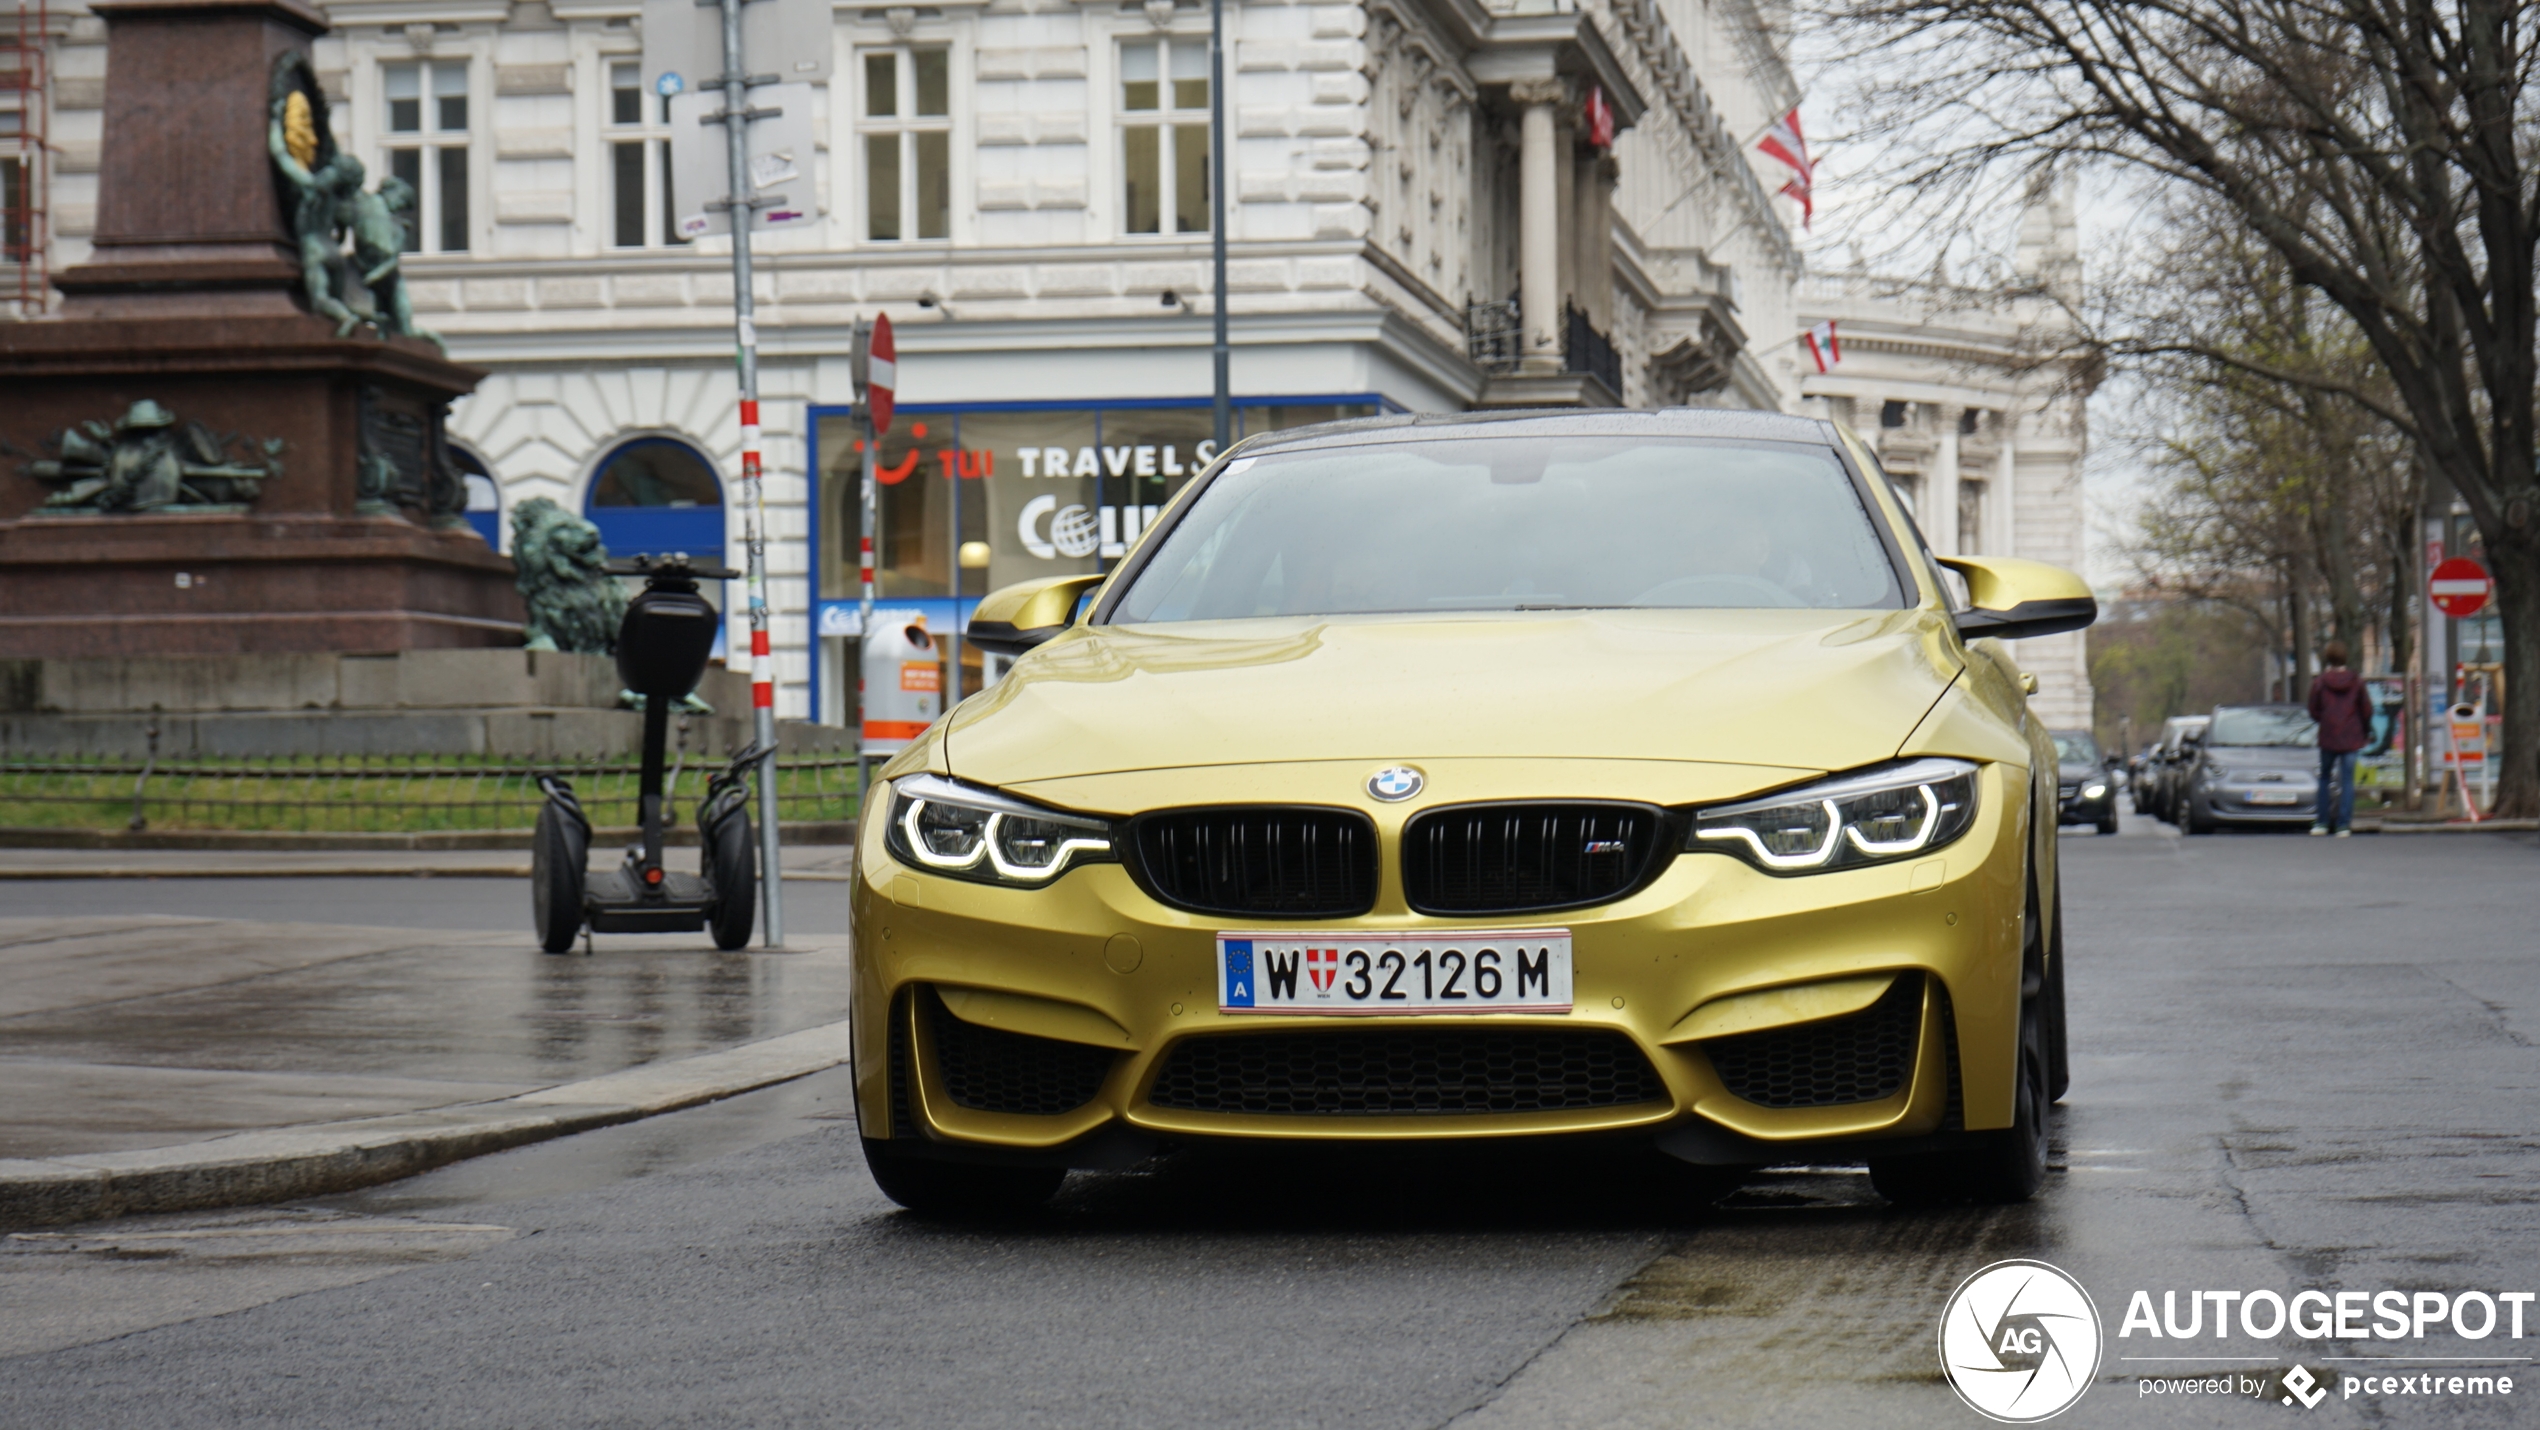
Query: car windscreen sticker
[1238,973]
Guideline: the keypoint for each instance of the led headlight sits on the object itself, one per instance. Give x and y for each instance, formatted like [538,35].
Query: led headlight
[2093,790]
[1869,817]
[947,827]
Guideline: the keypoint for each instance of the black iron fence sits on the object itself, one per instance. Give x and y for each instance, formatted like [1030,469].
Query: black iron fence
[351,794]
[1584,349]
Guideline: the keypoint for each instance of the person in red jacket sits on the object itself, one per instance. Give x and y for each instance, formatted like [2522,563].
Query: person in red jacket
[2342,708]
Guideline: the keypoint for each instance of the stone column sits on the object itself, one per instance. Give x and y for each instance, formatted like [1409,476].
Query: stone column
[1594,242]
[1940,523]
[1539,222]
[2004,538]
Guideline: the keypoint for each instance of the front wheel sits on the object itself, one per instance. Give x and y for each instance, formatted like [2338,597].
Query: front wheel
[558,852]
[2108,825]
[2000,1168]
[956,1189]
[731,861]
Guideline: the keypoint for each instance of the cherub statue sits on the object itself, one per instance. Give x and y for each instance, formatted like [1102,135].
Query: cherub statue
[380,222]
[328,202]
[323,181]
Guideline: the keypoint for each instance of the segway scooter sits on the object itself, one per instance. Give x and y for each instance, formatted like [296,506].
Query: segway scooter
[662,649]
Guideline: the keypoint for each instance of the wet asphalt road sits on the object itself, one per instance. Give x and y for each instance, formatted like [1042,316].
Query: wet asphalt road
[2297,1063]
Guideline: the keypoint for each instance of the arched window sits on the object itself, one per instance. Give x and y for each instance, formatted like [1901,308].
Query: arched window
[653,496]
[484,495]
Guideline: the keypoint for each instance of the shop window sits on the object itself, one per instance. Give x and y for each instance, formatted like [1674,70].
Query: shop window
[906,137]
[654,496]
[427,129]
[1164,136]
[641,213]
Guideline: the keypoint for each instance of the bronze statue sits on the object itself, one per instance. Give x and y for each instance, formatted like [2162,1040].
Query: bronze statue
[324,186]
[146,462]
[574,603]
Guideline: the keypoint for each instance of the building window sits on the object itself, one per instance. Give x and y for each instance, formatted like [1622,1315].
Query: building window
[653,496]
[641,209]
[1968,420]
[427,148]
[1892,414]
[906,131]
[1164,135]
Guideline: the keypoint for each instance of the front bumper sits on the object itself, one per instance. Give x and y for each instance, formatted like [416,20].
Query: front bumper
[1097,977]
[2239,805]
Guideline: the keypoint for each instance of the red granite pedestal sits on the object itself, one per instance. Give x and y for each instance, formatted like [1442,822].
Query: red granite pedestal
[191,301]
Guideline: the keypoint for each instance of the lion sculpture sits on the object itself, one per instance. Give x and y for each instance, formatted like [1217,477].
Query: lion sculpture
[574,604]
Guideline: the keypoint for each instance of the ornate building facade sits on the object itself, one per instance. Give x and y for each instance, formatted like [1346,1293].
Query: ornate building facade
[1975,399]
[1422,217]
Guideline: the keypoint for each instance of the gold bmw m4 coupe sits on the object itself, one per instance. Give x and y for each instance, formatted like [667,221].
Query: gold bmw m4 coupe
[1605,776]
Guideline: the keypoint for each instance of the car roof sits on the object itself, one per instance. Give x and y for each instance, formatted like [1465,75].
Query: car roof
[1551,422]
[2266,705]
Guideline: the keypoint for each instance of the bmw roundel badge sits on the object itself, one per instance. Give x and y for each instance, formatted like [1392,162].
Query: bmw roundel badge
[1395,783]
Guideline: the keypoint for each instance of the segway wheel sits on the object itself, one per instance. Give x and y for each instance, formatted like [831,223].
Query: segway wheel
[732,863]
[556,860]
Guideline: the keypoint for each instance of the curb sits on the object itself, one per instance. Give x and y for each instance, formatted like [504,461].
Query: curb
[2486,826]
[322,1158]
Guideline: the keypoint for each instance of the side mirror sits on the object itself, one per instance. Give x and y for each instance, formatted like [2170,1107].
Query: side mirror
[1013,619]
[2015,599]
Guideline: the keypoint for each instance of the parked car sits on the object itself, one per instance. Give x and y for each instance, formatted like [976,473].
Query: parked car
[2138,777]
[2179,734]
[2085,786]
[1593,775]
[2256,764]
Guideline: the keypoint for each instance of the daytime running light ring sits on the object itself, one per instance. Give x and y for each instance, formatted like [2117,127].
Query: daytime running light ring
[1809,860]
[1884,849]
[926,855]
[1035,873]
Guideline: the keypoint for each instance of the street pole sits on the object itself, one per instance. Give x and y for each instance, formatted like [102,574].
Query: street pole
[736,134]
[865,523]
[1223,412]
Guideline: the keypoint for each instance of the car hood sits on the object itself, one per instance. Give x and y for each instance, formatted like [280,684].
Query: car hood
[2085,773]
[1797,690]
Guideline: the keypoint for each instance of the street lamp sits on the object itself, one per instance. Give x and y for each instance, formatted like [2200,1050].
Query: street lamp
[1224,407]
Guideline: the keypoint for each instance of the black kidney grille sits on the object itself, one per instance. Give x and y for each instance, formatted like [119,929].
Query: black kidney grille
[1511,858]
[992,1070]
[1364,1071]
[1270,862]
[1861,1057]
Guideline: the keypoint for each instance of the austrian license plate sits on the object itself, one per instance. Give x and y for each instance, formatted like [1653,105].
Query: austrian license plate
[1525,971]
[2275,796]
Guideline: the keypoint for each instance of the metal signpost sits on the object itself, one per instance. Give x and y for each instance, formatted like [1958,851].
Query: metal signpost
[877,374]
[1224,404]
[678,40]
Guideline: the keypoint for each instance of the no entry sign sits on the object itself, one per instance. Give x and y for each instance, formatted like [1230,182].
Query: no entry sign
[2460,587]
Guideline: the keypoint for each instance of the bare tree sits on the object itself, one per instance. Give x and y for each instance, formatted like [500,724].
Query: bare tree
[2382,150]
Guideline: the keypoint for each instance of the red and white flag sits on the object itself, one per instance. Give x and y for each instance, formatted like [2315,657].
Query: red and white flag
[1783,141]
[1600,118]
[1823,345]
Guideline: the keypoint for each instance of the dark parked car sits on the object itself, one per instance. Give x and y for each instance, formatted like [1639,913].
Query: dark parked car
[2138,778]
[2177,746]
[2257,764]
[2085,786]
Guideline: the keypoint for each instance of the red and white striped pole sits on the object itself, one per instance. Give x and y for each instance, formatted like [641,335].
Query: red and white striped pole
[743,208]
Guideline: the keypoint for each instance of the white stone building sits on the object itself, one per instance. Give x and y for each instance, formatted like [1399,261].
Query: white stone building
[1418,221]
[1974,399]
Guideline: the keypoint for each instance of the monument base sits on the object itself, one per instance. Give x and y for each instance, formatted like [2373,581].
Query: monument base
[87,586]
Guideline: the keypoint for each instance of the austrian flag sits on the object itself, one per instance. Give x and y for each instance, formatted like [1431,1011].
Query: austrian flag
[1823,345]
[1783,141]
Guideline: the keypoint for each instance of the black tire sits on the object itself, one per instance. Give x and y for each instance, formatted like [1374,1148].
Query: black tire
[958,1189]
[2059,1063]
[559,852]
[2008,1166]
[2108,825]
[731,865]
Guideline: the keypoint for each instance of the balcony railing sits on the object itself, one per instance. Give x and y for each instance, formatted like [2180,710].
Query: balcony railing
[1494,339]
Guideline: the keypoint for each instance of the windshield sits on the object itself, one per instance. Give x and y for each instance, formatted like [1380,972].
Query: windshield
[2075,748]
[2260,725]
[1518,524]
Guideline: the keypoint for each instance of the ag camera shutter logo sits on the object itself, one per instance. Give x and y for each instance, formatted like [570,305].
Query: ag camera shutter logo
[2019,1341]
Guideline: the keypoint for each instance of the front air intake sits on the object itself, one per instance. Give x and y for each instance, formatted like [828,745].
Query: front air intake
[1860,1057]
[1276,862]
[1347,1072]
